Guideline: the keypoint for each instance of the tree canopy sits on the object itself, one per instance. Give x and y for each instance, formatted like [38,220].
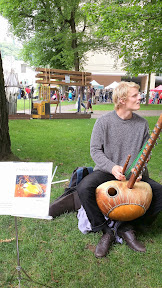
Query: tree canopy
[135,28]
[9,50]
[58,33]
[54,33]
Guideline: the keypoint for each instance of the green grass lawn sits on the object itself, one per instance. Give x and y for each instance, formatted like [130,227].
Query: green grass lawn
[109,106]
[151,107]
[55,252]
[23,104]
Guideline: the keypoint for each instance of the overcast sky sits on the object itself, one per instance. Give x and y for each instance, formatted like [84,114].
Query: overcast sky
[4,28]
[5,34]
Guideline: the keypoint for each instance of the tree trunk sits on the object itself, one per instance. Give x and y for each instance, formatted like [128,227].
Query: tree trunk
[74,41]
[148,89]
[76,61]
[5,144]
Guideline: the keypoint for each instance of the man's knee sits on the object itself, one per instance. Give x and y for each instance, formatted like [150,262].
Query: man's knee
[89,183]
[83,186]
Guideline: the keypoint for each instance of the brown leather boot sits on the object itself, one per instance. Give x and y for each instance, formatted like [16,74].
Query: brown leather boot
[103,246]
[130,239]
[65,203]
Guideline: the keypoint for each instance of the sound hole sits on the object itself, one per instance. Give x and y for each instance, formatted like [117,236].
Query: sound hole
[112,191]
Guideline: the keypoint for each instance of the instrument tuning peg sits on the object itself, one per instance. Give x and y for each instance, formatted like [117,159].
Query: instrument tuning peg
[147,160]
[159,137]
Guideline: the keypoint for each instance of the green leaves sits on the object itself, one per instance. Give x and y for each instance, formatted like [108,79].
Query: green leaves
[54,33]
[135,29]
[59,33]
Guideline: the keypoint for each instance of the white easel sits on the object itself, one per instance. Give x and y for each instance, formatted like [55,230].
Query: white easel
[19,268]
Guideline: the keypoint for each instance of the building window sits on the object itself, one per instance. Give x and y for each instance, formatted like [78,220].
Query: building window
[23,68]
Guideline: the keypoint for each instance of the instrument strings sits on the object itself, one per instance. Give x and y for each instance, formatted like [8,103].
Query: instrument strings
[128,171]
[135,161]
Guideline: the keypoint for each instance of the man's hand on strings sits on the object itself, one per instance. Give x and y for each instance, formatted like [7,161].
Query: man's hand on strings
[117,172]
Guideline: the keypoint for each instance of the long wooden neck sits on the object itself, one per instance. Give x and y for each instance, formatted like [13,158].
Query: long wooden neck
[143,158]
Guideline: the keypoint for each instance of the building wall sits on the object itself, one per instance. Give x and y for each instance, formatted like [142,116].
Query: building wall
[106,79]
[100,62]
[106,69]
[25,73]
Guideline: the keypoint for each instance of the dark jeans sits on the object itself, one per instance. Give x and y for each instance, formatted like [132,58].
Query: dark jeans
[86,191]
[82,104]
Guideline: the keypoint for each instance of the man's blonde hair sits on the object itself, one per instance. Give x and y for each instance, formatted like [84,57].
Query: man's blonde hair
[121,92]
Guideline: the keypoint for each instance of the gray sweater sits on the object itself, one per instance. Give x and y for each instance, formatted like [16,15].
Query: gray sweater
[113,139]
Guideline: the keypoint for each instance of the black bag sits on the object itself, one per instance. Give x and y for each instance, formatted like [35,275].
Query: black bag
[69,200]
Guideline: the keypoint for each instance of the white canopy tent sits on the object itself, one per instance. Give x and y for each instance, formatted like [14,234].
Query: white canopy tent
[112,85]
[96,85]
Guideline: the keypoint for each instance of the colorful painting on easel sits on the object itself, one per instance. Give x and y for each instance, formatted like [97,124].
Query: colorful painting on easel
[30,186]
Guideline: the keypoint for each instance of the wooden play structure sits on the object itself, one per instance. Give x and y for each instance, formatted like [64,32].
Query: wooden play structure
[49,78]
[63,77]
[41,107]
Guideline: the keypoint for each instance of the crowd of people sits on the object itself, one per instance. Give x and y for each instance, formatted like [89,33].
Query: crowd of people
[86,96]
[102,95]
[92,96]
[155,98]
[25,91]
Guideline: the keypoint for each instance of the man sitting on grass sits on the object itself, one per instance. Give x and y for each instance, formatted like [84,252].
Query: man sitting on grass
[114,136]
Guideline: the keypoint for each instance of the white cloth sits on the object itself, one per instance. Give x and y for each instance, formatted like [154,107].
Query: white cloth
[85,227]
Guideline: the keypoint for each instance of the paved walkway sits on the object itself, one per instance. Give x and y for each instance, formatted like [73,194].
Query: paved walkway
[97,114]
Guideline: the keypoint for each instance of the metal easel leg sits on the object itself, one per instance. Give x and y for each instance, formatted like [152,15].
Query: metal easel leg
[17,247]
[19,268]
